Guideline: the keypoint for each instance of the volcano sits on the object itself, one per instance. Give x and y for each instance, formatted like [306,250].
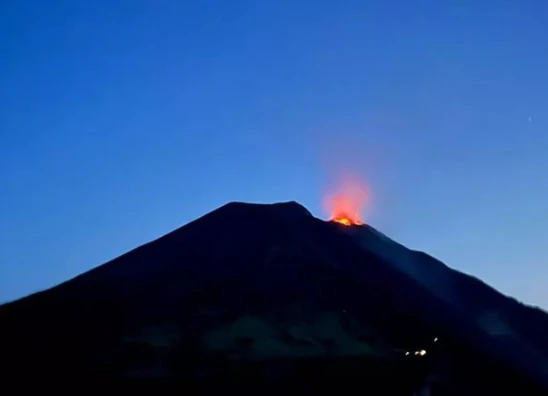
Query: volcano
[257,297]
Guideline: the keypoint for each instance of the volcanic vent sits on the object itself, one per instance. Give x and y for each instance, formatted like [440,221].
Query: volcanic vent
[346,203]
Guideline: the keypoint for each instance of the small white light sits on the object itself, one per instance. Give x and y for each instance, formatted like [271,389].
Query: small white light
[422,352]
[406,353]
[436,339]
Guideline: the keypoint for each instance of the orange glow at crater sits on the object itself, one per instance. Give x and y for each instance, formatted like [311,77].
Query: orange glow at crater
[347,202]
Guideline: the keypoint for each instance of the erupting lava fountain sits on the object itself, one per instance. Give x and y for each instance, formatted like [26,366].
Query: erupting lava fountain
[346,203]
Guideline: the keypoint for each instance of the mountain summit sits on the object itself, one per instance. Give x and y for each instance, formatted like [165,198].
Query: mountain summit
[266,296]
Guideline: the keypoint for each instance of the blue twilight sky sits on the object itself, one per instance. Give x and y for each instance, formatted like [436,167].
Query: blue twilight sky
[122,120]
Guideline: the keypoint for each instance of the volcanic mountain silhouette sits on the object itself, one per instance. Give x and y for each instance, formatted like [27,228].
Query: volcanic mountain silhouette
[266,296]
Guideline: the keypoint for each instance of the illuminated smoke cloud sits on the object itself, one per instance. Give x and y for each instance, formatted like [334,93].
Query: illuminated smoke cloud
[346,203]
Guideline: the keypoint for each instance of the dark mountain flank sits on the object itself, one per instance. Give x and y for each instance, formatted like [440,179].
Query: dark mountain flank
[255,298]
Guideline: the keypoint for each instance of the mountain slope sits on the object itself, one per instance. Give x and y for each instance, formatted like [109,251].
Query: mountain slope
[508,329]
[271,283]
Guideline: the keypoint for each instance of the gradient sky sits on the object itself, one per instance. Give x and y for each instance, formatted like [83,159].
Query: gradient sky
[122,120]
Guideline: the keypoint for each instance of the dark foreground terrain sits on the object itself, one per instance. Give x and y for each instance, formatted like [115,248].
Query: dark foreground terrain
[267,298]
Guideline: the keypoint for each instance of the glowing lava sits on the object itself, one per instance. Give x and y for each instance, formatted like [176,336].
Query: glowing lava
[346,204]
[342,212]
